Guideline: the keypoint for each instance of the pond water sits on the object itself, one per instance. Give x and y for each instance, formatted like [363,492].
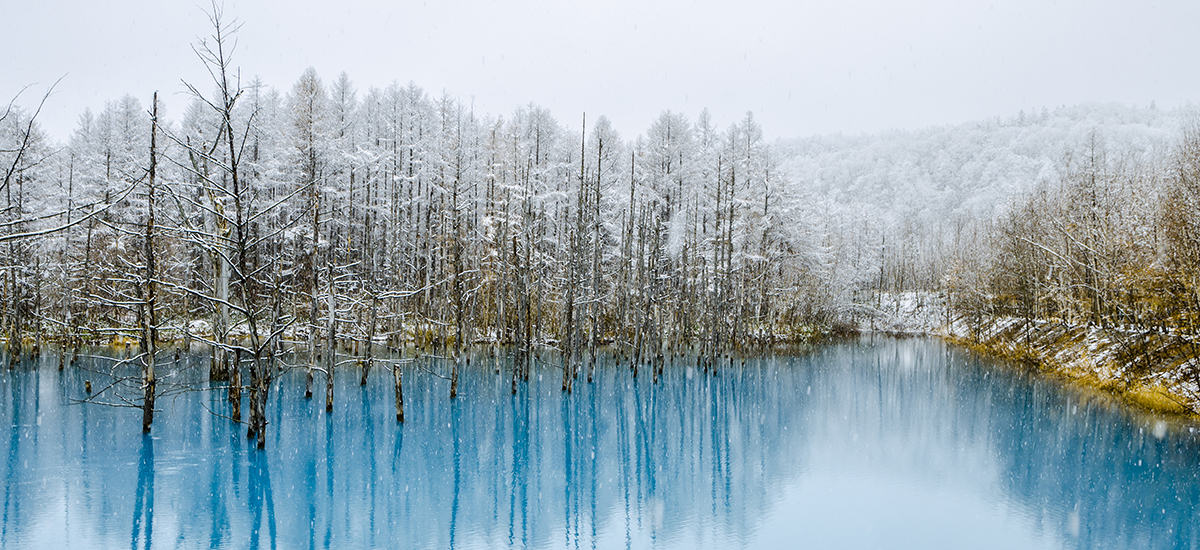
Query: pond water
[869,443]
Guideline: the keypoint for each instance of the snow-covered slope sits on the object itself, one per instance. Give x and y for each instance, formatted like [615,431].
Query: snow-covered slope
[903,198]
[971,168]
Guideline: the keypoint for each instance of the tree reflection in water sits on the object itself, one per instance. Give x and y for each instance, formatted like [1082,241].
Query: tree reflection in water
[143,500]
[778,452]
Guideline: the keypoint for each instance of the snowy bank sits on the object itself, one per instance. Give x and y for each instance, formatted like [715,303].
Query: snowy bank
[1156,370]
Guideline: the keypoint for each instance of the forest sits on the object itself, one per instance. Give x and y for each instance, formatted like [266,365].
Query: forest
[263,221]
[323,218]
[1103,257]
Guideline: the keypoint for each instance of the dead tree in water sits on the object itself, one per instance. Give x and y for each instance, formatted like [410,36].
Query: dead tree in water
[330,340]
[370,359]
[307,96]
[396,376]
[238,217]
[149,308]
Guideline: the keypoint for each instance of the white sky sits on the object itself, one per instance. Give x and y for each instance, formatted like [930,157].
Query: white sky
[802,67]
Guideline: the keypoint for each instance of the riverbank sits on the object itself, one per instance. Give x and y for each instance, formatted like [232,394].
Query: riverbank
[1152,370]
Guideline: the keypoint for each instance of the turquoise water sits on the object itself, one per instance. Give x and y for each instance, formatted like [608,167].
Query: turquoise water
[869,443]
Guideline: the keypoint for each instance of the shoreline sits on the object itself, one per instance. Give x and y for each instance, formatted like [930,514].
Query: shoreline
[1148,370]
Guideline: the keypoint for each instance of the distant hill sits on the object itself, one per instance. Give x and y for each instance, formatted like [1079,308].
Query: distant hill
[900,195]
[971,169]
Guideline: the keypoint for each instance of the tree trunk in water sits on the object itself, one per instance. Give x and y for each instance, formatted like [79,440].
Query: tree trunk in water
[235,388]
[149,328]
[521,318]
[252,393]
[148,388]
[396,374]
[329,390]
[264,385]
[221,327]
[370,362]
[569,321]
[516,368]
[14,339]
[330,344]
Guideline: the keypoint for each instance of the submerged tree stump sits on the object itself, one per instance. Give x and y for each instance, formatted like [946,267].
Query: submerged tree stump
[396,374]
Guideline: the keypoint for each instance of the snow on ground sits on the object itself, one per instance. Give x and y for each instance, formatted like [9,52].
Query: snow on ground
[905,313]
[1140,363]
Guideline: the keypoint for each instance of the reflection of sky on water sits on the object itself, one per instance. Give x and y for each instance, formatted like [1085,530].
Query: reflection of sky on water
[870,443]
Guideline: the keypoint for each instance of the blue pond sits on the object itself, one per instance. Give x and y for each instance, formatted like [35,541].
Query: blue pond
[862,444]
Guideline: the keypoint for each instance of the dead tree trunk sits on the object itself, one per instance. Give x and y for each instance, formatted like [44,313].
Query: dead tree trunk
[366,367]
[397,375]
[330,343]
[150,321]
[235,387]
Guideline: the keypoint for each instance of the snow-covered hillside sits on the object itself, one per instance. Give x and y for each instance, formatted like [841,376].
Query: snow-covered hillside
[941,172]
[908,198]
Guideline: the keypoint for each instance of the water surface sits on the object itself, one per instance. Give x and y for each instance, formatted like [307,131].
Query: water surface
[868,443]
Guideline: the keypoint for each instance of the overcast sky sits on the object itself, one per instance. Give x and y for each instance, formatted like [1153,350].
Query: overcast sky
[802,67]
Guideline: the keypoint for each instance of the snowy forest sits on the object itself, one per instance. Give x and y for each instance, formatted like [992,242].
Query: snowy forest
[322,217]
